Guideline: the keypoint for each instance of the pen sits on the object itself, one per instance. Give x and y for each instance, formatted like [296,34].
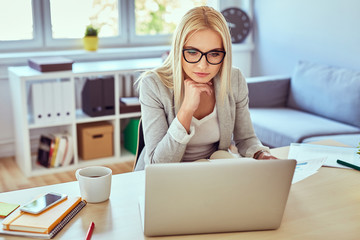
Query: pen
[90,231]
[348,165]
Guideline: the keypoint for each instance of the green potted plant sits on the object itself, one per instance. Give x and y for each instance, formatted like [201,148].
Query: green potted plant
[91,39]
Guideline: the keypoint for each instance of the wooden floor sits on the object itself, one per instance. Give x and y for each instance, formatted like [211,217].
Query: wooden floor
[11,177]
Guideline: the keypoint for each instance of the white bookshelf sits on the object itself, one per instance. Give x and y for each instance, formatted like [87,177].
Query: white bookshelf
[27,131]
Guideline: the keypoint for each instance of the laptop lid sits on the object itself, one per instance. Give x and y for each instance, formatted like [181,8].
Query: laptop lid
[216,196]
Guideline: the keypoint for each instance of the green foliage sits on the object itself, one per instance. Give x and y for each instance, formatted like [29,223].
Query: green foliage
[91,31]
[358,152]
[154,21]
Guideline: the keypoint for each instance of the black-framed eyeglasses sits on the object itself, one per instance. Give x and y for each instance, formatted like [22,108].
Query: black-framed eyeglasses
[213,57]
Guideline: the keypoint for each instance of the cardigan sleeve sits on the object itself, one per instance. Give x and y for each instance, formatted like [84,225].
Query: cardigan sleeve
[244,135]
[165,138]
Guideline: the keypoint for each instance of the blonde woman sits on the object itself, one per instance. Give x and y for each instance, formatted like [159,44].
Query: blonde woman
[196,103]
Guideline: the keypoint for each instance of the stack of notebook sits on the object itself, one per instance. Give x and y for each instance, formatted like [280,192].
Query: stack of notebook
[44,225]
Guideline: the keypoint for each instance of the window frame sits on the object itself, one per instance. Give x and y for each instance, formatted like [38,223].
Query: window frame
[43,40]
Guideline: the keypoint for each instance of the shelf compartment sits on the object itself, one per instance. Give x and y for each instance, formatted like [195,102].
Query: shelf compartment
[35,135]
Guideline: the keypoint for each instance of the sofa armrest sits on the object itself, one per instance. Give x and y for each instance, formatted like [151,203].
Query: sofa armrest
[268,91]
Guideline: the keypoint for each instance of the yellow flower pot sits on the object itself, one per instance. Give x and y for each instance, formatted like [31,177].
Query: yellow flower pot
[91,43]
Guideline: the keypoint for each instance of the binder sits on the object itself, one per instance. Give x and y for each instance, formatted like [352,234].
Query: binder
[60,222]
[91,98]
[108,96]
[57,99]
[48,101]
[98,97]
[37,102]
[66,98]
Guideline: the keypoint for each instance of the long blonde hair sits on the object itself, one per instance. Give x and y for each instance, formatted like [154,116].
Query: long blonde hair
[171,72]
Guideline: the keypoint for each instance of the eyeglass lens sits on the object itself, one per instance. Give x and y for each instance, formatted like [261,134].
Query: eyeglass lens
[194,56]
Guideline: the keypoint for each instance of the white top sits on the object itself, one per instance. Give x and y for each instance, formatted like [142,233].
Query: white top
[205,138]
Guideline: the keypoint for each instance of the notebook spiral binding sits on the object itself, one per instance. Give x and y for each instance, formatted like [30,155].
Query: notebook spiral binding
[67,219]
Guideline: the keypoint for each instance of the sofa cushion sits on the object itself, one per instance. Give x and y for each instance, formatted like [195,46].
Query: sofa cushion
[260,87]
[277,127]
[326,91]
[352,140]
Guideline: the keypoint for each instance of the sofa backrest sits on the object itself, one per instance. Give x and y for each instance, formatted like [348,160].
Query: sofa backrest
[326,91]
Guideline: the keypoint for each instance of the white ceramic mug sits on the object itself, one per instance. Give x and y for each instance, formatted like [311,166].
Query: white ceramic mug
[95,183]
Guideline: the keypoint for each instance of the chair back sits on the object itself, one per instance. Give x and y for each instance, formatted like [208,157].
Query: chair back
[140,143]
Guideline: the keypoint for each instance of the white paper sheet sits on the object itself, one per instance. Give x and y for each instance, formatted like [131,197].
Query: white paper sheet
[304,152]
[305,169]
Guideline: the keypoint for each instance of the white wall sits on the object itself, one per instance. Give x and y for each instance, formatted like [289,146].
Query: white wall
[314,30]
[6,120]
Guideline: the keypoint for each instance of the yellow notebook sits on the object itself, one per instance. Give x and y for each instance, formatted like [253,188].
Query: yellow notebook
[43,222]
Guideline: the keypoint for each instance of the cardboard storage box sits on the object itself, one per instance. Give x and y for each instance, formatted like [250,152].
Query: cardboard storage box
[95,140]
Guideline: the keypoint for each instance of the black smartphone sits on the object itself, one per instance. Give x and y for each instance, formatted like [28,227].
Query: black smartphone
[43,202]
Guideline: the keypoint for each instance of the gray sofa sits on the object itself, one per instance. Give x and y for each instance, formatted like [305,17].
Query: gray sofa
[317,102]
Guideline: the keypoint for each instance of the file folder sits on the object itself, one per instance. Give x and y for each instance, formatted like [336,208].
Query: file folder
[48,101]
[67,100]
[58,115]
[98,97]
[91,98]
[108,96]
[37,103]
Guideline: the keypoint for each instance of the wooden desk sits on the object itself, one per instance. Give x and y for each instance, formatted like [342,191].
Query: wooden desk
[324,206]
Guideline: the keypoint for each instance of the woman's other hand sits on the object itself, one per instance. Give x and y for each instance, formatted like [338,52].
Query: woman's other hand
[263,155]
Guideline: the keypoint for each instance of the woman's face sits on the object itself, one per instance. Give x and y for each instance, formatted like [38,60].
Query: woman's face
[203,41]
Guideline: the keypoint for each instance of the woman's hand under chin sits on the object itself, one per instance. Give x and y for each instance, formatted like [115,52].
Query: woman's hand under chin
[193,91]
[191,101]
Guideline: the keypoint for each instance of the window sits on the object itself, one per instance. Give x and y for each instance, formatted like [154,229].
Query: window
[65,27]
[19,24]
[61,24]
[71,22]
[161,17]
[21,19]
[157,19]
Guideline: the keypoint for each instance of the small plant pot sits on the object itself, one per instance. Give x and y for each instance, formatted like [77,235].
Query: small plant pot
[91,43]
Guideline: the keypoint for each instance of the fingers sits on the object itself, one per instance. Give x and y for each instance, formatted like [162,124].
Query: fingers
[196,87]
[193,92]
[266,155]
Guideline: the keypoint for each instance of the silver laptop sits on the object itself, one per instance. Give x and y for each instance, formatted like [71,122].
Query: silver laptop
[215,196]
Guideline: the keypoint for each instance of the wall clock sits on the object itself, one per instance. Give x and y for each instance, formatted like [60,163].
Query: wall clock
[238,22]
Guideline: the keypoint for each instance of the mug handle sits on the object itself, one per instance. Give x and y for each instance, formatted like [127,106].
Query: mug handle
[77,174]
